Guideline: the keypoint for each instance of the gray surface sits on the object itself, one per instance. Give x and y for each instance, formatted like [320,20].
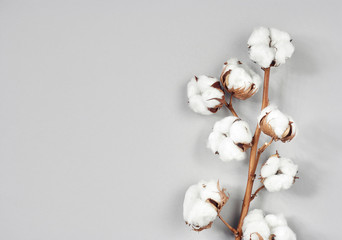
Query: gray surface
[96,139]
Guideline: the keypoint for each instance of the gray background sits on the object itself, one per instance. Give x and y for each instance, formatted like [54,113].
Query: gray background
[97,141]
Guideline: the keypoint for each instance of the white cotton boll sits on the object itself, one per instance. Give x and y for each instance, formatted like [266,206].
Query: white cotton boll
[190,197]
[239,80]
[288,167]
[270,47]
[192,88]
[210,95]
[205,95]
[284,233]
[275,220]
[260,227]
[221,139]
[201,214]
[204,82]
[278,121]
[229,151]
[277,182]
[287,181]
[274,183]
[199,207]
[240,132]
[214,141]
[284,52]
[265,111]
[262,54]
[279,36]
[278,173]
[197,105]
[224,125]
[255,222]
[259,35]
[276,124]
[209,191]
[252,216]
[270,167]
[241,76]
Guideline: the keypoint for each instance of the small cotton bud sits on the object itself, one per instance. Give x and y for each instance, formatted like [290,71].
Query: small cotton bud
[202,203]
[230,138]
[239,80]
[205,95]
[276,124]
[270,47]
[278,173]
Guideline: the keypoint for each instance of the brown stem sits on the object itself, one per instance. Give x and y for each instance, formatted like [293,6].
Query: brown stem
[256,192]
[225,223]
[253,161]
[265,91]
[230,106]
[263,148]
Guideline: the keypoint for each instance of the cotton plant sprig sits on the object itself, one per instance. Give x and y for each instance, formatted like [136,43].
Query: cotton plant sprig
[231,138]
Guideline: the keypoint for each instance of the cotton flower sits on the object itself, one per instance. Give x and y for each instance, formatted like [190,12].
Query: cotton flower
[239,80]
[276,124]
[205,95]
[202,203]
[230,138]
[270,47]
[256,226]
[278,173]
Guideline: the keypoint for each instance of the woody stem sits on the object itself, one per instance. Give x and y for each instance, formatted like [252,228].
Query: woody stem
[225,223]
[257,191]
[263,148]
[253,161]
[230,106]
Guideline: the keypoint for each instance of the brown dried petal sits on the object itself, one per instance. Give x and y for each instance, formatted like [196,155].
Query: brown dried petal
[288,135]
[244,147]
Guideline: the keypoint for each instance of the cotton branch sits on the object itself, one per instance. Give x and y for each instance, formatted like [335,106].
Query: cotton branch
[231,137]
[233,230]
[263,148]
[230,106]
[253,161]
[256,192]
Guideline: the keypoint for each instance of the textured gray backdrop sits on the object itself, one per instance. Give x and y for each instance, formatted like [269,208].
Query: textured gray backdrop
[97,141]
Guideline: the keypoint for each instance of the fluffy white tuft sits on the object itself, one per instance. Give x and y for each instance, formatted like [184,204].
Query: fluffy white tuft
[278,173]
[270,167]
[227,137]
[270,46]
[229,151]
[240,132]
[255,223]
[203,96]
[197,211]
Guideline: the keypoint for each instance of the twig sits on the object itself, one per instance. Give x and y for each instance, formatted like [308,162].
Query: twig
[230,106]
[225,223]
[263,148]
[253,161]
[257,191]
